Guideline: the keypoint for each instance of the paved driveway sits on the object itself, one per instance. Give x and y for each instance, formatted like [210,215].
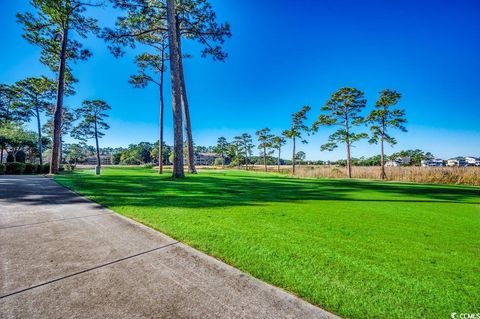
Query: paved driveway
[63,256]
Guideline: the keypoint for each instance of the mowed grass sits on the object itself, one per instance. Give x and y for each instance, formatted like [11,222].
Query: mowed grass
[360,249]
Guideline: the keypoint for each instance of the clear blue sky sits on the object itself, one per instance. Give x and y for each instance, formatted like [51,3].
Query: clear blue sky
[285,54]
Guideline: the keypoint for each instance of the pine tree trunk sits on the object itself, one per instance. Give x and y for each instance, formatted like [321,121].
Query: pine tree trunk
[347,142]
[349,164]
[60,152]
[293,157]
[1,154]
[382,161]
[238,159]
[278,161]
[162,107]
[178,171]
[382,155]
[265,158]
[39,128]
[99,164]
[186,108]
[57,118]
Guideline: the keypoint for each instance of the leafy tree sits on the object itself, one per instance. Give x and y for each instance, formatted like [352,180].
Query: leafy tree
[51,28]
[382,118]
[92,124]
[416,156]
[167,149]
[265,143]
[236,147]
[145,150]
[343,109]
[300,156]
[10,107]
[75,152]
[295,132]
[5,130]
[277,143]
[221,148]
[16,139]
[36,95]
[245,146]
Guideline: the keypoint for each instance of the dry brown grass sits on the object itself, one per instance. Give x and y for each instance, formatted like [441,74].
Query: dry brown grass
[433,175]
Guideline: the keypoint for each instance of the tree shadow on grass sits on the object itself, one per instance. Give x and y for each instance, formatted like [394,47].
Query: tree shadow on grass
[220,190]
[223,190]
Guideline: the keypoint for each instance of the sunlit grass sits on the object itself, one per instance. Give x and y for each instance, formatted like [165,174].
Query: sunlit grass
[357,248]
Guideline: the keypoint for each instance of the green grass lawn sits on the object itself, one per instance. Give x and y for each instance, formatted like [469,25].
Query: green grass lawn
[361,249]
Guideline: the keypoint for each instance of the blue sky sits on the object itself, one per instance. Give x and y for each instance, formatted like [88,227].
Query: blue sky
[286,54]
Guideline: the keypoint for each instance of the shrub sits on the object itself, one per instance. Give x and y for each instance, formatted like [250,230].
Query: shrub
[69,167]
[148,165]
[46,168]
[38,169]
[14,168]
[2,169]
[219,161]
[30,169]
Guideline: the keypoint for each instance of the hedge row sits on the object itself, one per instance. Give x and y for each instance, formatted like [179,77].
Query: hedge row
[24,168]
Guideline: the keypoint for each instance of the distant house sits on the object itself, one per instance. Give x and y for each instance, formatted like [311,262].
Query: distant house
[206,158]
[457,161]
[399,161]
[392,164]
[437,162]
[472,161]
[104,160]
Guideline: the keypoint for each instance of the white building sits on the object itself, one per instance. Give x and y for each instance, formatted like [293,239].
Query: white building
[206,158]
[437,162]
[472,161]
[399,161]
[457,161]
[104,160]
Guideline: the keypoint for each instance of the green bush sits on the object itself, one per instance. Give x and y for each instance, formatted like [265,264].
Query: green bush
[148,165]
[69,167]
[46,168]
[14,168]
[2,169]
[38,168]
[30,168]
[219,161]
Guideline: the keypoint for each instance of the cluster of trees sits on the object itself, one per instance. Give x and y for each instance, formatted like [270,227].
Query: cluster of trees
[343,111]
[416,157]
[50,27]
[158,27]
[32,99]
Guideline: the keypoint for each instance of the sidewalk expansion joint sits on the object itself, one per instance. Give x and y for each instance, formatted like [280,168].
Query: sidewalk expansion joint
[88,270]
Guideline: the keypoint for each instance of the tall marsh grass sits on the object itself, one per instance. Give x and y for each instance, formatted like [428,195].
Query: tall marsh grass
[433,175]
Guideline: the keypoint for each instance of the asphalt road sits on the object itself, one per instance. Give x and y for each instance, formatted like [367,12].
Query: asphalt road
[62,256]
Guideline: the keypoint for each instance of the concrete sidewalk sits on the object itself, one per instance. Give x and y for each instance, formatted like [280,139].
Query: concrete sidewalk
[62,256]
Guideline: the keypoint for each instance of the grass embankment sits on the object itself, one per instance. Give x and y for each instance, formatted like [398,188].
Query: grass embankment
[361,249]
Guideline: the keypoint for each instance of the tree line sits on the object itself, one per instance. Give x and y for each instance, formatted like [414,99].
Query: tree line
[342,111]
